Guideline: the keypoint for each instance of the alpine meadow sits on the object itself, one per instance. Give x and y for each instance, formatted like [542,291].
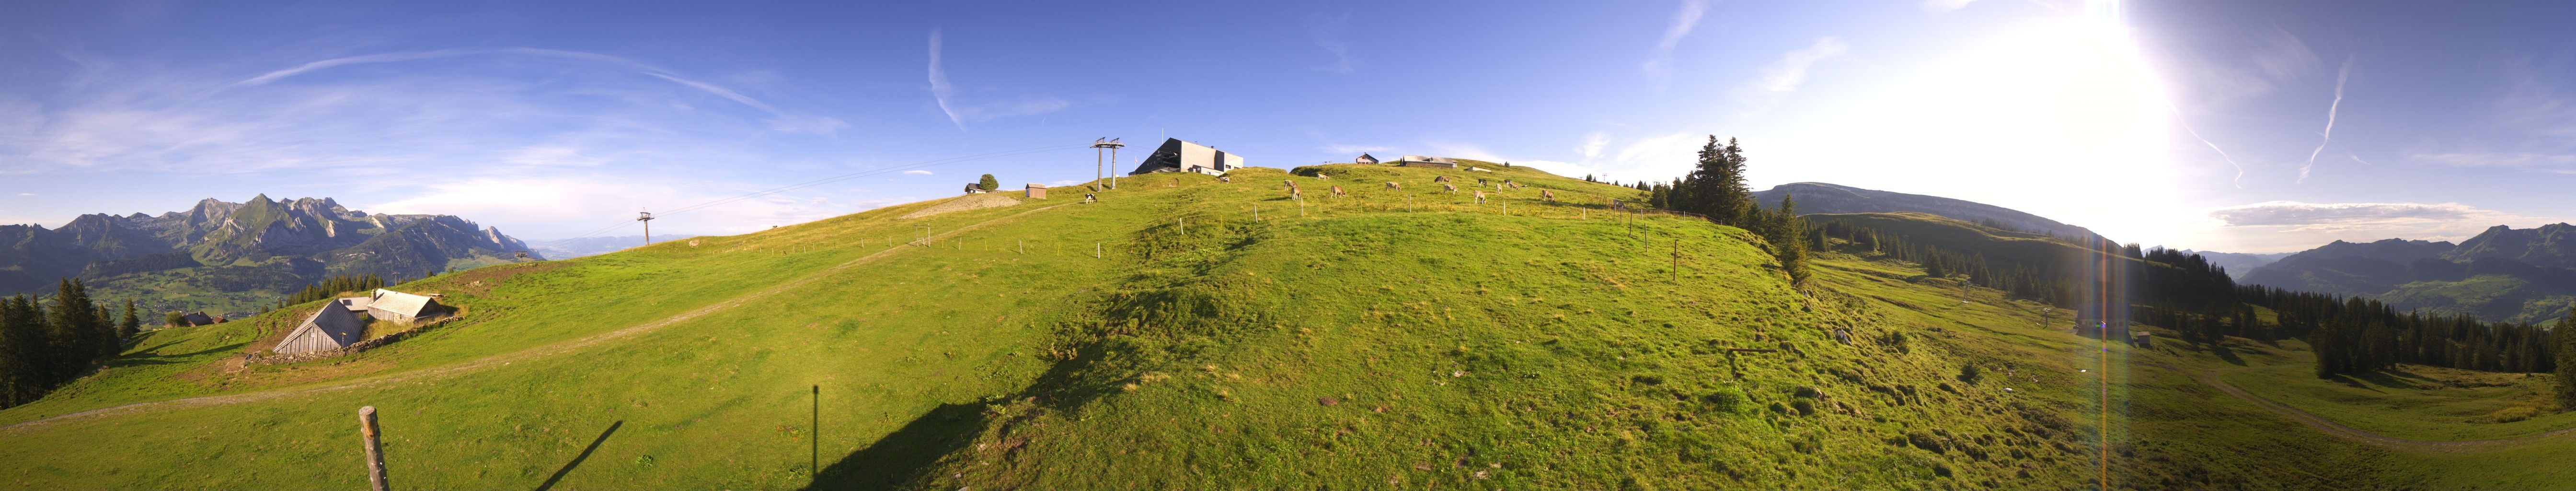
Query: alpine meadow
[1679,245]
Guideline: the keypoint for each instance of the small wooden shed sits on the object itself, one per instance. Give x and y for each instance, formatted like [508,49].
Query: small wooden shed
[1036,191]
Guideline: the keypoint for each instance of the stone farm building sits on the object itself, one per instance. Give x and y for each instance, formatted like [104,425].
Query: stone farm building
[1180,156]
[1427,161]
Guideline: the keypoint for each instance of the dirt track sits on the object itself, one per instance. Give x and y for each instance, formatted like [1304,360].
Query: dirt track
[533,353]
[2337,429]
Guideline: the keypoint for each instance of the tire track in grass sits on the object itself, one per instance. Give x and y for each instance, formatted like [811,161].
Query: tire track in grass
[533,353]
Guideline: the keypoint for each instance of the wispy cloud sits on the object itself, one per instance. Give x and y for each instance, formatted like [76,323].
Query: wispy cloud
[781,120]
[2322,214]
[940,90]
[2328,135]
[1659,65]
[917,172]
[1338,148]
[1783,76]
[1592,145]
[1328,34]
[2297,225]
[2548,162]
[1945,6]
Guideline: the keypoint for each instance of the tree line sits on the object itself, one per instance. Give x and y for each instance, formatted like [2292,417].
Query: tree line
[1715,189]
[327,288]
[2357,335]
[44,344]
[2200,301]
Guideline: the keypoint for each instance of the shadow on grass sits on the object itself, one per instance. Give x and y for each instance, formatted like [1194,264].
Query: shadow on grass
[2355,383]
[157,359]
[585,455]
[902,459]
[2226,354]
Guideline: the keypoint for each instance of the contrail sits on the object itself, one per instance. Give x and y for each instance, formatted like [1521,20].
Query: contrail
[2222,153]
[2340,76]
[939,88]
[2357,158]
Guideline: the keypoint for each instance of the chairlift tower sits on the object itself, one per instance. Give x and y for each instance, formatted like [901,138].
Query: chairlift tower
[1100,165]
[647,218]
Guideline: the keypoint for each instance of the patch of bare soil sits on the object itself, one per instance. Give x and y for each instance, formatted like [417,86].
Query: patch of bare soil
[968,202]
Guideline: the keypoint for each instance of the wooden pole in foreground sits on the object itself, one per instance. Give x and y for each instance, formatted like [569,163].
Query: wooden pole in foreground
[375,449]
[815,443]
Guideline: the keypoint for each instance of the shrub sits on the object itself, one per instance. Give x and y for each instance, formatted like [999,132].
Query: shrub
[1923,440]
[2516,413]
[1725,401]
[1970,374]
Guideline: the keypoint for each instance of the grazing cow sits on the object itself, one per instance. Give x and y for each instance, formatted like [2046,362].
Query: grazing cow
[1550,196]
[1337,191]
[1292,183]
[1393,185]
[1440,179]
[1449,187]
[1480,197]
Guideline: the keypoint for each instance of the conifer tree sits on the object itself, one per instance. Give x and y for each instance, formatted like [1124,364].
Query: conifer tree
[132,325]
[2566,354]
[1791,243]
[22,340]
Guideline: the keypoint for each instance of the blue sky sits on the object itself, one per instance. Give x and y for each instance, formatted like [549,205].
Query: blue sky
[553,120]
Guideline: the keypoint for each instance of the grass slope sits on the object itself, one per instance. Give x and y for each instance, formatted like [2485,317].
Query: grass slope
[1391,338]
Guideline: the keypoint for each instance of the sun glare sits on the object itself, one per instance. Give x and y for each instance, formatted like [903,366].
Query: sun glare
[2060,115]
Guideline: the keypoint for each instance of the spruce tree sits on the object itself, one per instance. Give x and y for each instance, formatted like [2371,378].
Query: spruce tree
[988,183]
[2565,353]
[132,324]
[1791,247]
[22,346]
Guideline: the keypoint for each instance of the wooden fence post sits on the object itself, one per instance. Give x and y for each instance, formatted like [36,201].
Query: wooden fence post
[375,449]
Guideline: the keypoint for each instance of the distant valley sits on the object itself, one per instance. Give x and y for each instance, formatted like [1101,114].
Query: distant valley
[2504,274]
[229,257]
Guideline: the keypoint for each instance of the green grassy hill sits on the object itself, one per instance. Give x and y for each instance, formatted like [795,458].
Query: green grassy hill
[1167,338]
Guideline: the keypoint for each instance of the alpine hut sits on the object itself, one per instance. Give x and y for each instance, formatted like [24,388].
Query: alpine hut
[332,327]
[402,307]
[1364,159]
[1180,156]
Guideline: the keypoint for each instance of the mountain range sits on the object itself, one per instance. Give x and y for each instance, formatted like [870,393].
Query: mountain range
[2239,263]
[1817,197]
[589,246]
[2507,274]
[225,256]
